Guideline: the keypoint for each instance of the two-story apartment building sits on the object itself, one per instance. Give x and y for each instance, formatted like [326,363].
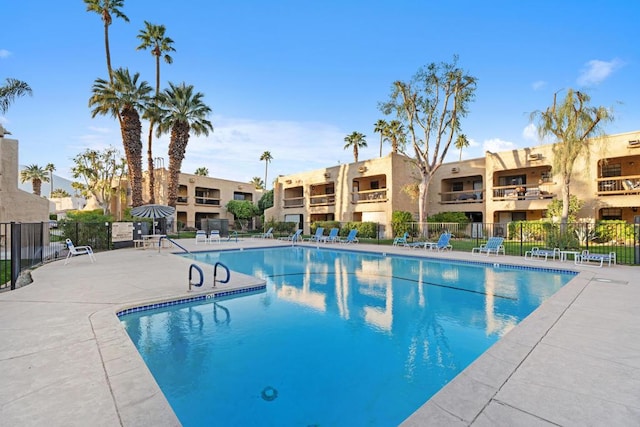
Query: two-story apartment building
[498,188]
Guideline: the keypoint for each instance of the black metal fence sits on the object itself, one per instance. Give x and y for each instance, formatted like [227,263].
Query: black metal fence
[26,245]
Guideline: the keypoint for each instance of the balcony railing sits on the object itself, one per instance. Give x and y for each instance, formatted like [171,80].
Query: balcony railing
[209,201]
[369,196]
[322,200]
[619,185]
[293,202]
[467,196]
[183,200]
[521,192]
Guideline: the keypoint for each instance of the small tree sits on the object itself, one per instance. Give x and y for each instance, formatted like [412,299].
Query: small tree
[242,210]
[202,171]
[356,140]
[36,175]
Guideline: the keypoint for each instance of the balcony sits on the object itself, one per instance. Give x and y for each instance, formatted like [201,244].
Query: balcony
[369,196]
[322,200]
[457,197]
[618,185]
[521,192]
[183,200]
[208,201]
[293,202]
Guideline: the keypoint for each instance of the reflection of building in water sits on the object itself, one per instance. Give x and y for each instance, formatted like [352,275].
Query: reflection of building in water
[375,279]
[304,294]
[495,324]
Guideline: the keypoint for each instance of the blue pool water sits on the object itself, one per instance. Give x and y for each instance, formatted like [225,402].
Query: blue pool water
[338,338]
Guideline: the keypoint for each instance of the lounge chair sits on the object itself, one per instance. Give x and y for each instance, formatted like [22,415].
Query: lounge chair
[78,250]
[441,245]
[493,245]
[201,236]
[539,253]
[214,236]
[585,257]
[332,237]
[351,237]
[266,235]
[295,237]
[401,240]
[316,237]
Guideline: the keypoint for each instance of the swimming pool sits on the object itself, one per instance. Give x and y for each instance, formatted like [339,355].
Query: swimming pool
[338,338]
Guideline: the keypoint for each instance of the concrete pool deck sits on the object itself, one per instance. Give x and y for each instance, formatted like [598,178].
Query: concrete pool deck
[66,360]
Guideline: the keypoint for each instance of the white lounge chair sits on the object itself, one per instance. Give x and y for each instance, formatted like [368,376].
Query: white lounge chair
[538,253]
[493,245]
[78,250]
[214,236]
[201,236]
[586,257]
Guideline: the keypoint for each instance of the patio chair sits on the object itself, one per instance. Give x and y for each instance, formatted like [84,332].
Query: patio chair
[78,250]
[214,236]
[332,237]
[493,245]
[266,235]
[316,237]
[295,237]
[441,245]
[585,257]
[401,240]
[201,236]
[539,253]
[351,237]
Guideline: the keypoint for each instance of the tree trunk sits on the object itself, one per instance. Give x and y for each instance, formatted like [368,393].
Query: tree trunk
[131,132]
[177,149]
[150,165]
[564,216]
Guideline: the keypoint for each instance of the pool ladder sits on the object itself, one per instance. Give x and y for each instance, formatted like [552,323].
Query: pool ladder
[194,267]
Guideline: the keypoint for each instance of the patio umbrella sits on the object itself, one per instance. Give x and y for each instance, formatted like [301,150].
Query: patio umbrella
[153,211]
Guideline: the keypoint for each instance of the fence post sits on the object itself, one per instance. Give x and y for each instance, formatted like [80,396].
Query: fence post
[16,253]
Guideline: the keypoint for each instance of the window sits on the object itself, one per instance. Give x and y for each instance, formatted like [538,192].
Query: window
[512,180]
[610,170]
[611,214]
[457,186]
[375,185]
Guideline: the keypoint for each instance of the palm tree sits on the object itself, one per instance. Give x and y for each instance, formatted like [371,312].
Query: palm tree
[126,98]
[257,183]
[267,157]
[461,142]
[50,168]
[202,171]
[381,126]
[36,175]
[355,140]
[60,193]
[10,91]
[181,111]
[395,132]
[107,8]
[153,37]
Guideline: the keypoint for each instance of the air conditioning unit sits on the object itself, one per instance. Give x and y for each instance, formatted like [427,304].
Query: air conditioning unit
[455,170]
[327,175]
[535,156]
[634,143]
[362,169]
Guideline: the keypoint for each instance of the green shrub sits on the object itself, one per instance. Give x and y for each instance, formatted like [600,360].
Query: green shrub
[401,222]
[614,231]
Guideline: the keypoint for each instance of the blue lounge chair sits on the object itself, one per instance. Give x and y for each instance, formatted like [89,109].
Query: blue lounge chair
[493,245]
[585,257]
[540,253]
[441,245]
[295,237]
[401,240]
[318,236]
[351,237]
[332,237]
[266,235]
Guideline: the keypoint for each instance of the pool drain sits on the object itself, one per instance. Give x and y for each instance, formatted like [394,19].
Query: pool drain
[269,393]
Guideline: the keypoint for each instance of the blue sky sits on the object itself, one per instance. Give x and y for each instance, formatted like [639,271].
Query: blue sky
[295,77]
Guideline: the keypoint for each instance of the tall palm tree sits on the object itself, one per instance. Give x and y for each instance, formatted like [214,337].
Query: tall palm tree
[395,132]
[381,126]
[36,175]
[126,97]
[107,8]
[153,37]
[461,142]
[10,91]
[267,157]
[50,168]
[181,111]
[202,171]
[257,183]
[355,140]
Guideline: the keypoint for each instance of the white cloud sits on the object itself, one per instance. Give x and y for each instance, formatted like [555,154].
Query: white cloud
[596,71]
[530,132]
[537,85]
[496,144]
[4,53]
